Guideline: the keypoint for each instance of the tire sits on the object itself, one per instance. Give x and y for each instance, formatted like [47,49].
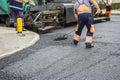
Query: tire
[63,23]
[8,22]
[28,22]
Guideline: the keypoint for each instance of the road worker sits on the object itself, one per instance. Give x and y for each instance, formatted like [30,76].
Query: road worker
[83,15]
[16,7]
[108,8]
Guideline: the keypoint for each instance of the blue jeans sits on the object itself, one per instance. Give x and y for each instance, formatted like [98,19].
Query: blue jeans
[15,14]
[85,19]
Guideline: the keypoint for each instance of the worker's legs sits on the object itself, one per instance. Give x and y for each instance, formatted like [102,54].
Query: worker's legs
[108,11]
[22,16]
[90,31]
[79,28]
[14,16]
[11,18]
[77,34]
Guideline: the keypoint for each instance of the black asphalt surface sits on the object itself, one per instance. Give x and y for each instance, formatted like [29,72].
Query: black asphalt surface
[60,60]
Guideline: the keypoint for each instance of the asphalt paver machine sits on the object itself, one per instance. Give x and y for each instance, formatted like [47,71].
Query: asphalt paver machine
[51,14]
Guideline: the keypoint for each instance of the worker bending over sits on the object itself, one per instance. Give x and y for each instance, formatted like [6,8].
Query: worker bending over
[108,8]
[83,15]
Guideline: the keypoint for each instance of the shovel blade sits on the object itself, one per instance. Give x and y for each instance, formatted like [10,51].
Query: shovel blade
[60,38]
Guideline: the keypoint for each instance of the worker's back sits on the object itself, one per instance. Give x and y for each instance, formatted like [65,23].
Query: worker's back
[82,6]
[86,2]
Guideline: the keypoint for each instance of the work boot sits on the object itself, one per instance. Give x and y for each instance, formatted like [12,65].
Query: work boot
[89,45]
[75,42]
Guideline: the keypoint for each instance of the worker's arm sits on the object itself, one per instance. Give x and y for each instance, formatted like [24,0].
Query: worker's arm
[96,6]
[75,12]
[32,3]
[76,17]
[25,1]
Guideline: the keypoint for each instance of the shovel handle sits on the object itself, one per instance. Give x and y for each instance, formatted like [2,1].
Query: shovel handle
[68,32]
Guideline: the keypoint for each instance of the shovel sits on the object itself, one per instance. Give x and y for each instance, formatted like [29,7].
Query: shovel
[65,36]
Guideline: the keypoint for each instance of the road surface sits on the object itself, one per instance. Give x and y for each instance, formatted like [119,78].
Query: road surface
[60,60]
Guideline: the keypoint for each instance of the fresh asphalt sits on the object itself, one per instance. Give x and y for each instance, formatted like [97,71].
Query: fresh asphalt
[60,60]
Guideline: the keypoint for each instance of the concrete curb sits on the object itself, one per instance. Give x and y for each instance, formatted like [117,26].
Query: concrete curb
[33,41]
